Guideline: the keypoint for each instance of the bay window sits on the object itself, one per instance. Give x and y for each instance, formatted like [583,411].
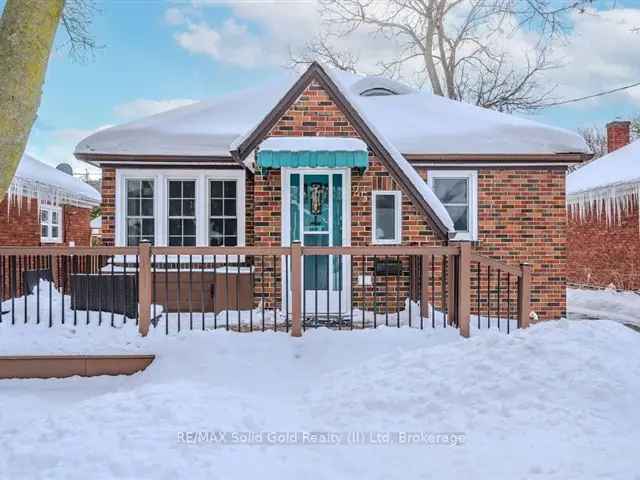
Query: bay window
[180,207]
[457,190]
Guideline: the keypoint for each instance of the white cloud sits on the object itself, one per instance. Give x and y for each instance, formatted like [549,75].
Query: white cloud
[601,53]
[60,147]
[143,107]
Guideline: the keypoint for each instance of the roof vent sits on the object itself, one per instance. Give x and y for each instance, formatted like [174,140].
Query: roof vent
[379,86]
[377,92]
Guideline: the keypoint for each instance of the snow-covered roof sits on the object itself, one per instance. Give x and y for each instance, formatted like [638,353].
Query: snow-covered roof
[36,179]
[616,168]
[607,186]
[415,122]
[313,144]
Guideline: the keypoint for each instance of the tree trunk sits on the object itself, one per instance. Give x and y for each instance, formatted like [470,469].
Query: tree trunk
[27,30]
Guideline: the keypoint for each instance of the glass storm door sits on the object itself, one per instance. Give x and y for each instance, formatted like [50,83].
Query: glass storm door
[316,212]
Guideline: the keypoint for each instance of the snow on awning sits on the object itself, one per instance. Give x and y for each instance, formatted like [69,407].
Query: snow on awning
[328,152]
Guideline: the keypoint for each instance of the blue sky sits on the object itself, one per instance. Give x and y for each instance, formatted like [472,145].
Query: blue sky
[158,54]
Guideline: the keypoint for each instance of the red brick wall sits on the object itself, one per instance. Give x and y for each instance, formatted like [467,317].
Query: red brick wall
[603,253]
[315,114]
[21,226]
[108,229]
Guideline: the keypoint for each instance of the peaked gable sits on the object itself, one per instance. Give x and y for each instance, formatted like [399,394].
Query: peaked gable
[316,81]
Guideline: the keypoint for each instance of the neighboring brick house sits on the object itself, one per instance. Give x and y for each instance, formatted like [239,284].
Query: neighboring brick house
[604,232]
[45,206]
[330,158]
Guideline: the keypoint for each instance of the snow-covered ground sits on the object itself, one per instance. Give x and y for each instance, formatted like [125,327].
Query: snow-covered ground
[558,401]
[603,304]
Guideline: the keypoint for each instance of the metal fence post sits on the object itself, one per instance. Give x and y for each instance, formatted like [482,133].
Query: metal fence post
[524,295]
[144,286]
[463,290]
[296,287]
[424,286]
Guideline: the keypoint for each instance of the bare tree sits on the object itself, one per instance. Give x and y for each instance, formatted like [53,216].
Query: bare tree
[635,128]
[27,31]
[459,47]
[596,139]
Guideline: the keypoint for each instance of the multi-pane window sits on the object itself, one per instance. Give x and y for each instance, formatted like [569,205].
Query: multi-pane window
[223,215]
[386,217]
[182,213]
[50,229]
[457,192]
[140,220]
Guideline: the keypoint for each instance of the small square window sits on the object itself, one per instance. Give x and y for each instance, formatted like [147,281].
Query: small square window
[386,217]
[456,189]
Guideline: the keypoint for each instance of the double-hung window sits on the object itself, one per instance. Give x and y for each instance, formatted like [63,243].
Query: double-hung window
[182,213]
[223,213]
[50,224]
[457,190]
[140,219]
[387,217]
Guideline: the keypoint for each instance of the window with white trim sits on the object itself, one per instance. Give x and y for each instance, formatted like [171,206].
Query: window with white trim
[140,207]
[457,190]
[179,206]
[182,213]
[387,217]
[223,213]
[50,224]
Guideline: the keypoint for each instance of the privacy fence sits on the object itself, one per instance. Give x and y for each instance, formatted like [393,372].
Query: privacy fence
[263,288]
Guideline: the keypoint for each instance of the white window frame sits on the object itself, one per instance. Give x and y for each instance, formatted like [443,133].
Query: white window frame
[223,216]
[472,194]
[125,206]
[50,209]
[166,201]
[397,239]
[161,179]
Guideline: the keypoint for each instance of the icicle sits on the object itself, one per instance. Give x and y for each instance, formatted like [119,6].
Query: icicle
[608,204]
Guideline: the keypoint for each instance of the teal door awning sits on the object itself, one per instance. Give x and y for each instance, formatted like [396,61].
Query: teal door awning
[325,152]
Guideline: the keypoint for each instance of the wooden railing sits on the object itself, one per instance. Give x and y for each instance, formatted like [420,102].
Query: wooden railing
[257,288]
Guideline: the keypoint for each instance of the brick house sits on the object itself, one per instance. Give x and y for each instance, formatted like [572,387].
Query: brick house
[333,159]
[45,206]
[604,233]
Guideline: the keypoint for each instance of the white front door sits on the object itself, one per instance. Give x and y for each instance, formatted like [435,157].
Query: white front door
[316,206]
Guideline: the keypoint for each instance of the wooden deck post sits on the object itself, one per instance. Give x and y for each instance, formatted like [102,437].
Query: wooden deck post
[296,289]
[144,287]
[463,290]
[451,289]
[524,295]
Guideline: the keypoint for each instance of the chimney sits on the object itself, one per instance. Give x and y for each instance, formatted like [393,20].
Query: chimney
[618,135]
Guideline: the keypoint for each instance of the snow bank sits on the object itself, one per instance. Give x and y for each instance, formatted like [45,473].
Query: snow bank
[556,402]
[313,144]
[607,186]
[41,181]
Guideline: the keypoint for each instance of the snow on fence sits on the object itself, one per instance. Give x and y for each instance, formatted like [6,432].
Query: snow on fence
[287,289]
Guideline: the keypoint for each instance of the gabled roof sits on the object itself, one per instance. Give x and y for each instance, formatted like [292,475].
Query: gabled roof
[416,122]
[621,167]
[36,179]
[398,167]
